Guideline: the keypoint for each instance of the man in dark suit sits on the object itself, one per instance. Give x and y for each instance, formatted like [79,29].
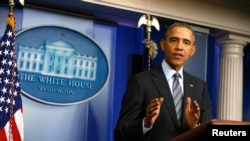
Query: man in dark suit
[148,111]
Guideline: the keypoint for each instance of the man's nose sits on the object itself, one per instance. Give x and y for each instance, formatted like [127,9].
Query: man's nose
[179,45]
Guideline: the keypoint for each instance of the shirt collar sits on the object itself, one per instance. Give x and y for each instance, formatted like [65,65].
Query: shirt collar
[169,72]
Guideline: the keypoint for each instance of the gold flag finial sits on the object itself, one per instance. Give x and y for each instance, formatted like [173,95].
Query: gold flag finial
[11,20]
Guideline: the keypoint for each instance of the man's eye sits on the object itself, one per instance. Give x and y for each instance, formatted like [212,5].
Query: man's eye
[173,40]
[187,42]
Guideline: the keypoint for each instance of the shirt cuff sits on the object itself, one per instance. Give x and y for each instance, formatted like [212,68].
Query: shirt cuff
[144,128]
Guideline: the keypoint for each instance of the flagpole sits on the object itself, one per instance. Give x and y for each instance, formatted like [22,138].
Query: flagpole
[11,23]
[11,2]
[11,5]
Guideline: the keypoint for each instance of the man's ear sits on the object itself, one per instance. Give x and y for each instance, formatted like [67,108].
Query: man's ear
[162,44]
[193,50]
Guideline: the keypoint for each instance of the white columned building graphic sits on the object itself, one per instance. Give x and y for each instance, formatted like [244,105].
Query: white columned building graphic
[57,58]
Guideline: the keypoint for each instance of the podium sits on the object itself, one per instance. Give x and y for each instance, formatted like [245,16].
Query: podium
[203,132]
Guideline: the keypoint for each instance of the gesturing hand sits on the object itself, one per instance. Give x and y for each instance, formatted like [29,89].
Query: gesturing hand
[152,112]
[192,114]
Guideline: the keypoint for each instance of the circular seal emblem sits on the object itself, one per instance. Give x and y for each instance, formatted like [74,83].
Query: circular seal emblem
[59,66]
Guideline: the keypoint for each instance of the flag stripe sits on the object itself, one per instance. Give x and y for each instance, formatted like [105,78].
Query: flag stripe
[3,136]
[19,122]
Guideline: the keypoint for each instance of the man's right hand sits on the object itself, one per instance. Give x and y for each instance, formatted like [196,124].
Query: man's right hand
[152,112]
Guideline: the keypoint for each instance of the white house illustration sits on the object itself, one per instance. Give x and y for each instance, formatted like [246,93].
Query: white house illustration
[57,58]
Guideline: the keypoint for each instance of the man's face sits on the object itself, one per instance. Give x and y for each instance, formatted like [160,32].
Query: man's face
[178,46]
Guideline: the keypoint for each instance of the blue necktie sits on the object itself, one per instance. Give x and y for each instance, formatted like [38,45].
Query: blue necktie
[177,95]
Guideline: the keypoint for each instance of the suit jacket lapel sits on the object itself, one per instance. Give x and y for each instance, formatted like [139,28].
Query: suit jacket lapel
[189,86]
[189,91]
[165,92]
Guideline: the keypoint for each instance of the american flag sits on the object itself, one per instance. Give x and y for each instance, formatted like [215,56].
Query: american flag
[11,112]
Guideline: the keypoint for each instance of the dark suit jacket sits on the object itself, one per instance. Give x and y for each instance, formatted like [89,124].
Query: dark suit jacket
[147,85]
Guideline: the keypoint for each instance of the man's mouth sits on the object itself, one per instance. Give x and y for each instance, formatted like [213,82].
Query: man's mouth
[178,56]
